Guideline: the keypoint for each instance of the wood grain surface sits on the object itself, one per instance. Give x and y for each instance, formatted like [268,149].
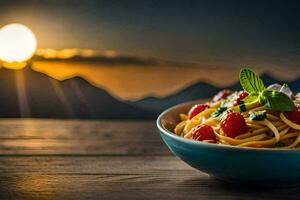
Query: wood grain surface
[72,159]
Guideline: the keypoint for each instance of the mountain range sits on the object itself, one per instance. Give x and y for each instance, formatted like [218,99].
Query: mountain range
[201,90]
[27,93]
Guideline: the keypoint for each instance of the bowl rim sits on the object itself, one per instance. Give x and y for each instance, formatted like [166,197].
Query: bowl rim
[172,135]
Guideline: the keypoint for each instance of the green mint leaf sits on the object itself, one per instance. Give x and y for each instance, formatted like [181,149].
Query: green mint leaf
[250,81]
[258,116]
[251,98]
[218,112]
[275,100]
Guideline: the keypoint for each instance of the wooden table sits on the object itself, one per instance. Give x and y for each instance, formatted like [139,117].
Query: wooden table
[73,159]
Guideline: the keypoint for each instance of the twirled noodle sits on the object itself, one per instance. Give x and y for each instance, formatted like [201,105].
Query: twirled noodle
[272,117]
[233,141]
[289,123]
[274,131]
[179,128]
[272,128]
[295,143]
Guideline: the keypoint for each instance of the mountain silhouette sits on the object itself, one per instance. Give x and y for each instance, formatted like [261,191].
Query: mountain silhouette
[26,93]
[201,90]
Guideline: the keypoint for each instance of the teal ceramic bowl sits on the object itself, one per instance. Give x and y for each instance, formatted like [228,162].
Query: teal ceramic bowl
[253,166]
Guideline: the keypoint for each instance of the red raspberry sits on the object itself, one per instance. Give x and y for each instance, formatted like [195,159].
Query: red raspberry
[203,132]
[221,95]
[196,109]
[241,95]
[294,116]
[233,124]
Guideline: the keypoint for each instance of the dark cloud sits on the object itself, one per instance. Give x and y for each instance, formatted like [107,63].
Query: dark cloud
[118,60]
[209,30]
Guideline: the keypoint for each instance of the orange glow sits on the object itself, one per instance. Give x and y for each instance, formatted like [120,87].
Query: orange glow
[69,53]
[47,53]
[88,53]
[135,82]
[110,53]
[14,65]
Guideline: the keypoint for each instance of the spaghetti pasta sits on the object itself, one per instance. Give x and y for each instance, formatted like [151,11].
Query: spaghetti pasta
[270,132]
[231,121]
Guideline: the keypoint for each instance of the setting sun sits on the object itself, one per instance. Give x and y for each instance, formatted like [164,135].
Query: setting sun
[18,44]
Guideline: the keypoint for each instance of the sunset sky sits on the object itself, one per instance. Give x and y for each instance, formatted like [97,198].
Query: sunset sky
[160,47]
[134,82]
[230,32]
